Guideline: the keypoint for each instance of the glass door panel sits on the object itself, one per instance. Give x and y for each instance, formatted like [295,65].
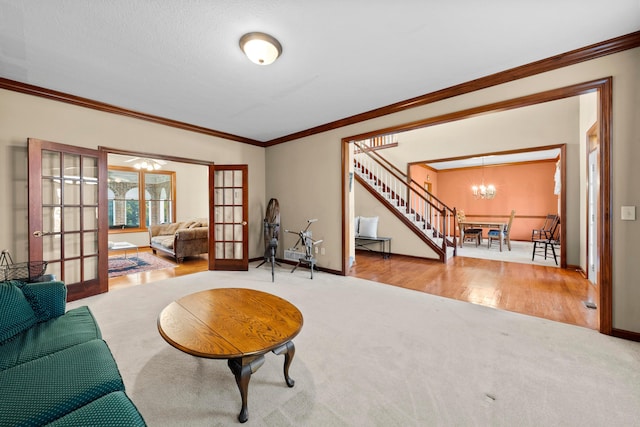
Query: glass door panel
[51,246]
[71,219]
[91,268]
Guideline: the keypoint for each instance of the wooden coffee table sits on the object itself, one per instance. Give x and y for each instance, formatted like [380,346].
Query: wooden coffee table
[240,325]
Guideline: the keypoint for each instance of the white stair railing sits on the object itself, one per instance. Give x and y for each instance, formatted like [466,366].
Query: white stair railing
[427,213]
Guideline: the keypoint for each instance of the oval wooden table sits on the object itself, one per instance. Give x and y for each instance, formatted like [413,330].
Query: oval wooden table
[240,325]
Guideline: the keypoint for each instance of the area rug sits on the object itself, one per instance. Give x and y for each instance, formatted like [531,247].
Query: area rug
[521,252]
[120,266]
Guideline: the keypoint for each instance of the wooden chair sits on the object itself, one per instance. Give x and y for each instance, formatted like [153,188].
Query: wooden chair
[543,244]
[502,235]
[546,231]
[469,234]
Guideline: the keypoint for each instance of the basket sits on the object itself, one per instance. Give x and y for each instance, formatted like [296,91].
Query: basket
[26,271]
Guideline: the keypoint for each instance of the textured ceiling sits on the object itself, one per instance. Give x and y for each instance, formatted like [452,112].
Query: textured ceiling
[180,59]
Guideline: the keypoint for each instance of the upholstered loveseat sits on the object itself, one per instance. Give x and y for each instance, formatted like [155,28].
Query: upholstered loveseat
[55,369]
[180,239]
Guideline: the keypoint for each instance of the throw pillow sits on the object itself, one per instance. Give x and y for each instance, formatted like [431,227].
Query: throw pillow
[42,314]
[200,222]
[356,223]
[17,314]
[369,226]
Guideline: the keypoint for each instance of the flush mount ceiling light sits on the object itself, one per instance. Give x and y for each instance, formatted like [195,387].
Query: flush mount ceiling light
[260,48]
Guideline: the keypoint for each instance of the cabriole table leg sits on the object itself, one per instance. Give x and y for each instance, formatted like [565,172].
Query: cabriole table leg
[289,351]
[242,368]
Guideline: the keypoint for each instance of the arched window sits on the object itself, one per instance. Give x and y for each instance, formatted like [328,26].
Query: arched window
[130,208]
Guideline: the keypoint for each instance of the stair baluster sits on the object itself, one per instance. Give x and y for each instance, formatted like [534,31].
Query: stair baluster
[422,211]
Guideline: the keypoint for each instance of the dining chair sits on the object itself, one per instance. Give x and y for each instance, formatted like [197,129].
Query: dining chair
[542,245]
[473,235]
[546,231]
[503,234]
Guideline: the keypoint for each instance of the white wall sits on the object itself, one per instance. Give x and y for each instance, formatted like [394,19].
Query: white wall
[306,173]
[23,116]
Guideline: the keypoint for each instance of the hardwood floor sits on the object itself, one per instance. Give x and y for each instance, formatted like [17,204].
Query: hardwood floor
[189,266]
[546,292]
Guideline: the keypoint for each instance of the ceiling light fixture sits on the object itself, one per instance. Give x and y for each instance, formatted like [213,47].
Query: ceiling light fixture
[147,164]
[483,191]
[260,48]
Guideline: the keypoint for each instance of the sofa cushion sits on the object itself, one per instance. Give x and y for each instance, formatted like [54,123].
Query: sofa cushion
[163,241]
[112,410]
[17,314]
[170,229]
[45,389]
[74,327]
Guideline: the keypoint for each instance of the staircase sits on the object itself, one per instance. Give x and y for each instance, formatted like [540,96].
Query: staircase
[422,212]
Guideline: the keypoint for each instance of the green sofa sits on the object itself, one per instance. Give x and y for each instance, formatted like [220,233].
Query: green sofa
[55,369]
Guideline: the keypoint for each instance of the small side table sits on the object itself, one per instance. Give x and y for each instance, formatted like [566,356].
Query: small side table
[124,246]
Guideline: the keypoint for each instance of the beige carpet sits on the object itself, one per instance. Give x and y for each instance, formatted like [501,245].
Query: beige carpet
[376,355]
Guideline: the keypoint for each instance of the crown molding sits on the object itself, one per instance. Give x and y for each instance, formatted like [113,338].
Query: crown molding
[587,53]
[108,108]
[573,57]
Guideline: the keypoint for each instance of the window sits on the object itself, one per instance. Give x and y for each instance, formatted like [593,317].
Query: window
[132,209]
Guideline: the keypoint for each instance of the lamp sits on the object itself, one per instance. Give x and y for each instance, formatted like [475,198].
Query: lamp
[260,48]
[148,164]
[483,191]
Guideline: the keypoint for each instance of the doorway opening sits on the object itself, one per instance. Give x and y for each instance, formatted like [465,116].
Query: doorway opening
[603,119]
[182,199]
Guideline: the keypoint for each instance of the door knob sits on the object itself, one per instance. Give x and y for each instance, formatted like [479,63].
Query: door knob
[42,233]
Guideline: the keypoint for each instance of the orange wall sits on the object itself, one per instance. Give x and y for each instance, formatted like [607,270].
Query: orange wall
[527,188]
[421,175]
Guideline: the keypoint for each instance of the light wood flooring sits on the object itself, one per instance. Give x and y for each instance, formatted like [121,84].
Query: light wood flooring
[189,266]
[546,292]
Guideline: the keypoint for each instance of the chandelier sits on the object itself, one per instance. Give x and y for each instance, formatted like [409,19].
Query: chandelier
[483,191]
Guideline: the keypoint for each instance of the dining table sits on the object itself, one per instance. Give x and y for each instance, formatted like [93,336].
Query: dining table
[500,225]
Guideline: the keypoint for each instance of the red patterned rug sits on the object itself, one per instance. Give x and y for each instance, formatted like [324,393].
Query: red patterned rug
[119,266]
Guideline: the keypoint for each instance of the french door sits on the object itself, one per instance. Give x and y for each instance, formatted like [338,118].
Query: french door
[65,228]
[228,233]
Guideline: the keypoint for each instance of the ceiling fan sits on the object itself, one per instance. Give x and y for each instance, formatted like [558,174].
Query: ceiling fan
[146,163]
